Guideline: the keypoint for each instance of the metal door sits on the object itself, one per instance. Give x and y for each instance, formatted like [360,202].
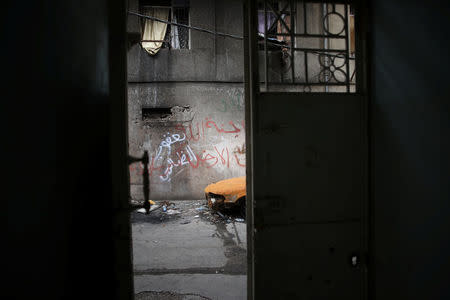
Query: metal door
[307,152]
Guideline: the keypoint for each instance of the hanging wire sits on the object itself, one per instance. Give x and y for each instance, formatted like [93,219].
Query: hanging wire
[187,26]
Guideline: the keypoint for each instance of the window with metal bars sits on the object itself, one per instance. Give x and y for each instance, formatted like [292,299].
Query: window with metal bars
[306,46]
[176,37]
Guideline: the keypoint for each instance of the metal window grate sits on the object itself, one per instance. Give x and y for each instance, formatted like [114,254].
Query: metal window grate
[306,45]
[181,34]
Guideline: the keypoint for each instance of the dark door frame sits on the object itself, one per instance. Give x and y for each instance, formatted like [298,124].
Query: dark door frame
[123,263]
[119,132]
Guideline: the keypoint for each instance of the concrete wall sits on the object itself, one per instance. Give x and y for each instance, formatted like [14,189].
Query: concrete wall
[203,86]
[201,142]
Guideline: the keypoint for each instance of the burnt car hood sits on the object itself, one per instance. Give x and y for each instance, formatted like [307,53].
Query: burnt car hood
[232,189]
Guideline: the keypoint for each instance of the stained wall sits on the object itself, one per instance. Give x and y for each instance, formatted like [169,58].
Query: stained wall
[186,106]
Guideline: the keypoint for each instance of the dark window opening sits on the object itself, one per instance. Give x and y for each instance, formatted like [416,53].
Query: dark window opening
[155,112]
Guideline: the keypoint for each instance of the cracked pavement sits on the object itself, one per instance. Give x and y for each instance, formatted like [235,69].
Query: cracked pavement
[188,252]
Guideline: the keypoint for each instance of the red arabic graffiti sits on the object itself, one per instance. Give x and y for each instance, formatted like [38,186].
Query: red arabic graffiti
[184,156]
[174,152]
[197,131]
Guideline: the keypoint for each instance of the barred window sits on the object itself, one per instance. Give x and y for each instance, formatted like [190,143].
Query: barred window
[306,46]
[176,37]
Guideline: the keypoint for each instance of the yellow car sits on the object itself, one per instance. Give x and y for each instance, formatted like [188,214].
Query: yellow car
[227,193]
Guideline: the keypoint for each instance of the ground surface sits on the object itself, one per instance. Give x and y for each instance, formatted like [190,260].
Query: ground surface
[189,252]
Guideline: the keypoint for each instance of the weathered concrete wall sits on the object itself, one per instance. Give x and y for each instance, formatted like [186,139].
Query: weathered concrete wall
[202,139]
[210,58]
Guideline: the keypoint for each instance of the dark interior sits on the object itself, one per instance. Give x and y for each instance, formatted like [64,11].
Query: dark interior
[68,231]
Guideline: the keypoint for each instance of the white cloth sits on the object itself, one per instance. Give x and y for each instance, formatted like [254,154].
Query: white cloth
[154,30]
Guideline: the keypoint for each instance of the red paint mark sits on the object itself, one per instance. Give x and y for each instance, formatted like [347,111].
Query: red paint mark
[220,155]
[197,163]
[237,161]
[191,137]
[210,157]
[197,133]
[203,130]
[180,127]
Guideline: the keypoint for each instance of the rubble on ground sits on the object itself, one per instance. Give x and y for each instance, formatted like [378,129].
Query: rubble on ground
[185,212]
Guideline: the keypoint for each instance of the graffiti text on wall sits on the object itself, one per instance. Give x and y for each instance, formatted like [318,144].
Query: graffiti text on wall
[174,154]
[199,130]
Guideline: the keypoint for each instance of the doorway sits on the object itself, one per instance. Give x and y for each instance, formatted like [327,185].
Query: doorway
[305,146]
[186,128]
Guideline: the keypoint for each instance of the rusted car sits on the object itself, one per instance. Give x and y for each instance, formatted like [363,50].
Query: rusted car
[228,193]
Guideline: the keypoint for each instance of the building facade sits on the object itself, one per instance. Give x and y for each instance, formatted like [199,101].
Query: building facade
[186,102]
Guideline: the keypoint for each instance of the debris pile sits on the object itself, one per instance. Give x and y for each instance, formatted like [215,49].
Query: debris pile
[216,216]
[187,212]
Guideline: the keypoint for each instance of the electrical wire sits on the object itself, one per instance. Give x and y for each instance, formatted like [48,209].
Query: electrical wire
[187,26]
